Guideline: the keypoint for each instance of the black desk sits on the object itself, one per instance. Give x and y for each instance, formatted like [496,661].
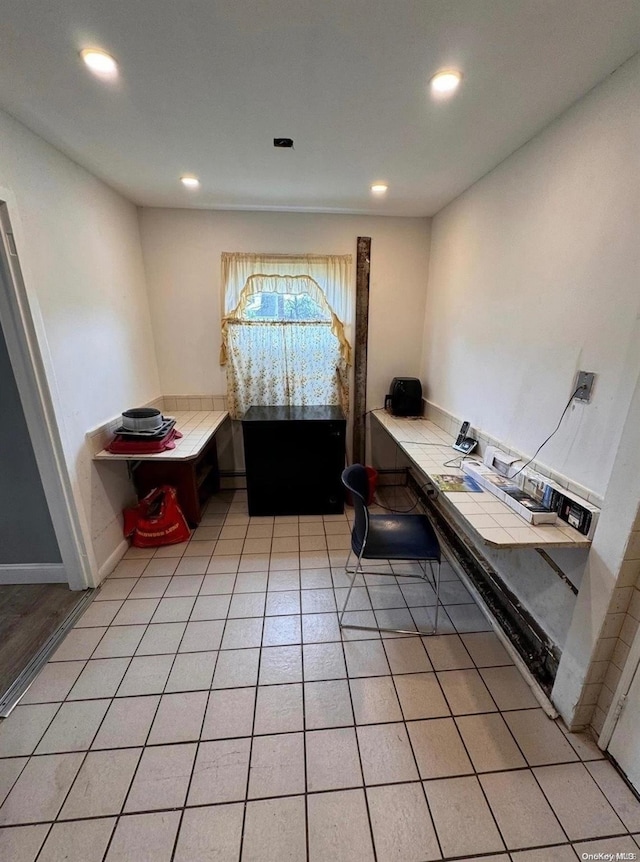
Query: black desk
[294,458]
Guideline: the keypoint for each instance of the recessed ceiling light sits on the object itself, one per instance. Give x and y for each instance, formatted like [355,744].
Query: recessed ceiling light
[379,188]
[190,181]
[100,62]
[445,82]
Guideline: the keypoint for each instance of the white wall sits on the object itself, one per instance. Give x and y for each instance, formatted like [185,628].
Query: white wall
[182,258]
[609,576]
[535,273]
[79,249]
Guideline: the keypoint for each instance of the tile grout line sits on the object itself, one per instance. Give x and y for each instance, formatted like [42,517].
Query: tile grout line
[477,774]
[257,592]
[408,722]
[579,761]
[630,787]
[355,733]
[411,748]
[304,736]
[199,739]
[251,738]
[151,724]
[621,834]
[464,744]
[87,751]
[119,816]
[529,768]
[117,697]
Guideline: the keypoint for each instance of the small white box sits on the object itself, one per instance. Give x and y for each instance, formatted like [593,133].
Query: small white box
[500,462]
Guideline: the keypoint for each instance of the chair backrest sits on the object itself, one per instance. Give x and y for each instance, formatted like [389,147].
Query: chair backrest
[356,481]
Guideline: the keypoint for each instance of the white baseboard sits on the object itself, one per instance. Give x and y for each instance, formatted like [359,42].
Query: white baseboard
[232,482]
[112,560]
[43,573]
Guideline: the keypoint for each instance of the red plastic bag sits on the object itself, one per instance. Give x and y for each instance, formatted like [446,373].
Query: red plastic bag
[156,520]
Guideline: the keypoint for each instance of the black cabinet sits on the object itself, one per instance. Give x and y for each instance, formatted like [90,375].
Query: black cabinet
[294,458]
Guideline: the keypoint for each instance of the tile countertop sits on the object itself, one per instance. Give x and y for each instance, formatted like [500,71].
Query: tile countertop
[483,515]
[197,428]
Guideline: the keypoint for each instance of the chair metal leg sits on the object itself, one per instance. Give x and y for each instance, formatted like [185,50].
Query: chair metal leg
[436,579]
[357,570]
[354,573]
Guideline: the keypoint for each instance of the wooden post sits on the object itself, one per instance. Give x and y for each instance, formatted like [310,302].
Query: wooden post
[363,262]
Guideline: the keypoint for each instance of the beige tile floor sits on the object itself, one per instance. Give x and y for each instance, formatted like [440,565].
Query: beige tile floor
[207,709]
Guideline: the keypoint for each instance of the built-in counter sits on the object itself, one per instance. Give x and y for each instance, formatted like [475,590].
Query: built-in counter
[527,576]
[488,519]
[191,467]
[197,428]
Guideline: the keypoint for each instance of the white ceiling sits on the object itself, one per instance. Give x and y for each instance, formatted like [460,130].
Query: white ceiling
[206,85]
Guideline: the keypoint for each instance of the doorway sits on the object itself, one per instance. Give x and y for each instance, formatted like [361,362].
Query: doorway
[43,568]
[624,728]
[29,548]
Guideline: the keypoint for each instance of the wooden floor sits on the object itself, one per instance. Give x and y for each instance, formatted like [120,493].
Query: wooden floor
[29,614]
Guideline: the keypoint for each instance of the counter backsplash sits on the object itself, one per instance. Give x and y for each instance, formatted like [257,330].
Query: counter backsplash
[450,423]
[101,436]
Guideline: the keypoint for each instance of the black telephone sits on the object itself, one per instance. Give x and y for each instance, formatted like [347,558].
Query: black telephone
[463,443]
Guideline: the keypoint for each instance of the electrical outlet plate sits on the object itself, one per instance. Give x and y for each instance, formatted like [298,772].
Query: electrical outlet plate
[586,379]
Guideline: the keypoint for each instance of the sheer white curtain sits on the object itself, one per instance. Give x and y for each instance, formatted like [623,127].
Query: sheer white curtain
[281,363]
[278,361]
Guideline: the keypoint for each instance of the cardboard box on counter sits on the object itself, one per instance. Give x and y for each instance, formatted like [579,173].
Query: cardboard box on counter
[572,509]
[504,489]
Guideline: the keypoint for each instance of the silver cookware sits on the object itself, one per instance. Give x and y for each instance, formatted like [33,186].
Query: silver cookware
[142,419]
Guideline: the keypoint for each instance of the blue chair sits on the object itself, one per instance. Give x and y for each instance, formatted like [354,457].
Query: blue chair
[388,537]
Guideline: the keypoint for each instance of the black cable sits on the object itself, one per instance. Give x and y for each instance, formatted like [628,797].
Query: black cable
[364,416]
[459,459]
[451,463]
[373,410]
[526,464]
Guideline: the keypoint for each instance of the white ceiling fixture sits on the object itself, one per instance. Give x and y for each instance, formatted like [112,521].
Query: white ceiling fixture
[343,78]
[99,62]
[379,188]
[190,181]
[445,82]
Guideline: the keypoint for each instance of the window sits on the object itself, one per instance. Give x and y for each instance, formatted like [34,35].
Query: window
[282,340]
[285,307]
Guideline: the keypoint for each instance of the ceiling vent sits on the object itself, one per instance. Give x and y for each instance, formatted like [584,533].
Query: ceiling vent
[284,143]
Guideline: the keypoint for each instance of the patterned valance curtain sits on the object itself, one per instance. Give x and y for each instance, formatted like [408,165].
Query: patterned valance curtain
[330,271]
[286,361]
